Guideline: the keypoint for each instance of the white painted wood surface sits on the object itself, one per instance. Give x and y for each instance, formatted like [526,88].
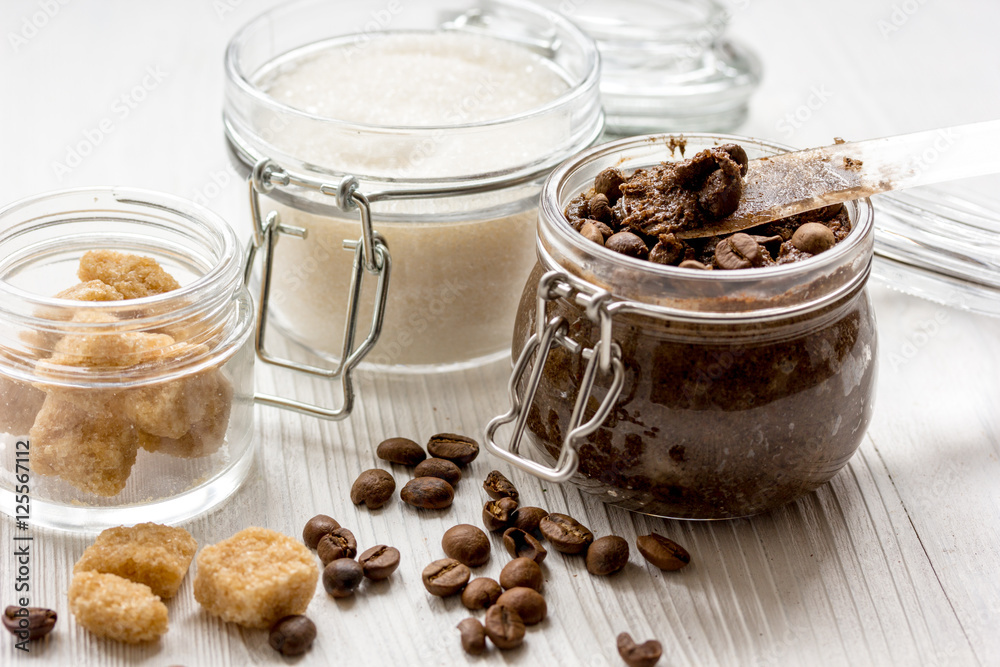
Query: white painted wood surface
[895,561]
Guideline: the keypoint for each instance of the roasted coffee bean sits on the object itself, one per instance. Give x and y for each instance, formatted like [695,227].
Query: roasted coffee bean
[373,487]
[527,602]
[528,518]
[292,635]
[638,655]
[379,562]
[481,593]
[662,552]
[600,207]
[499,514]
[504,627]
[342,577]
[428,493]
[607,555]
[522,544]
[459,449]
[473,636]
[400,450]
[466,544]
[440,468]
[813,238]
[565,533]
[590,232]
[35,621]
[445,577]
[522,572]
[317,527]
[339,543]
[738,251]
[694,264]
[498,486]
[628,244]
[608,183]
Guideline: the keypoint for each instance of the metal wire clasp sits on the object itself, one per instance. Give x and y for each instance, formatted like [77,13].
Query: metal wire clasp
[604,356]
[371,255]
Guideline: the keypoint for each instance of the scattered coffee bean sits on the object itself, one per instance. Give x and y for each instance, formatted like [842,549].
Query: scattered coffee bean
[521,544]
[600,207]
[694,264]
[813,238]
[638,655]
[527,602]
[504,627]
[440,468]
[608,183]
[342,577]
[498,486]
[607,555]
[466,544]
[528,518]
[373,487]
[317,527]
[428,493]
[35,621]
[627,243]
[400,450]
[565,533]
[445,577]
[337,544]
[379,562]
[592,233]
[481,593]
[473,636]
[738,251]
[522,572]
[499,514]
[459,449]
[662,552]
[292,635]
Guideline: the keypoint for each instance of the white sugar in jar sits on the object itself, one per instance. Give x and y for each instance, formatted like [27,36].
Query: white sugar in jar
[445,117]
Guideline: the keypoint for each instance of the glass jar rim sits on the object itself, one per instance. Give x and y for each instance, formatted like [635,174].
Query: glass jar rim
[660,24]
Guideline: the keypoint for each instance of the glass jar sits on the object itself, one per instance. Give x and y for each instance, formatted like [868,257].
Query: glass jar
[685,393]
[452,201]
[121,411]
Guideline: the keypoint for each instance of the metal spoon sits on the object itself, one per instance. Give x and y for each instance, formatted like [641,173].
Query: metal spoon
[789,183]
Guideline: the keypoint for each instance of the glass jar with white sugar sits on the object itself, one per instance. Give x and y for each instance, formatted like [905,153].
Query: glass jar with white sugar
[441,120]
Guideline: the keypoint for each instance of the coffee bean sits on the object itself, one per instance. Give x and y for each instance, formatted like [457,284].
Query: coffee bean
[694,264]
[608,183]
[317,527]
[400,450]
[473,636]
[662,552]
[813,238]
[459,449]
[499,514]
[607,555]
[36,621]
[428,493]
[445,577]
[292,635]
[565,533]
[638,655]
[628,244]
[522,572]
[481,593]
[668,250]
[527,602]
[592,233]
[600,207]
[738,251]
[528,518]
[504,627]
[373,487]
[521,544]
[342,577]
[379,562]
[339,543]
[440,468]
[466,544]
[497,486]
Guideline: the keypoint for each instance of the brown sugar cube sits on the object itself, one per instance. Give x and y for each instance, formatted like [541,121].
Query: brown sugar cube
[93,451]
[148,553]
[19,404]
[92,290]
[133,276]
[214,394]
[255,577]
[111,350]
[113,607]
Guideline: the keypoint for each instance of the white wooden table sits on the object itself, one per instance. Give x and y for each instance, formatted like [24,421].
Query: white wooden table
[895,561]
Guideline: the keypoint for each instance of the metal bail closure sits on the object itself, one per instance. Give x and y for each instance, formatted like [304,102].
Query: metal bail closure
[605,357]
[371,256]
